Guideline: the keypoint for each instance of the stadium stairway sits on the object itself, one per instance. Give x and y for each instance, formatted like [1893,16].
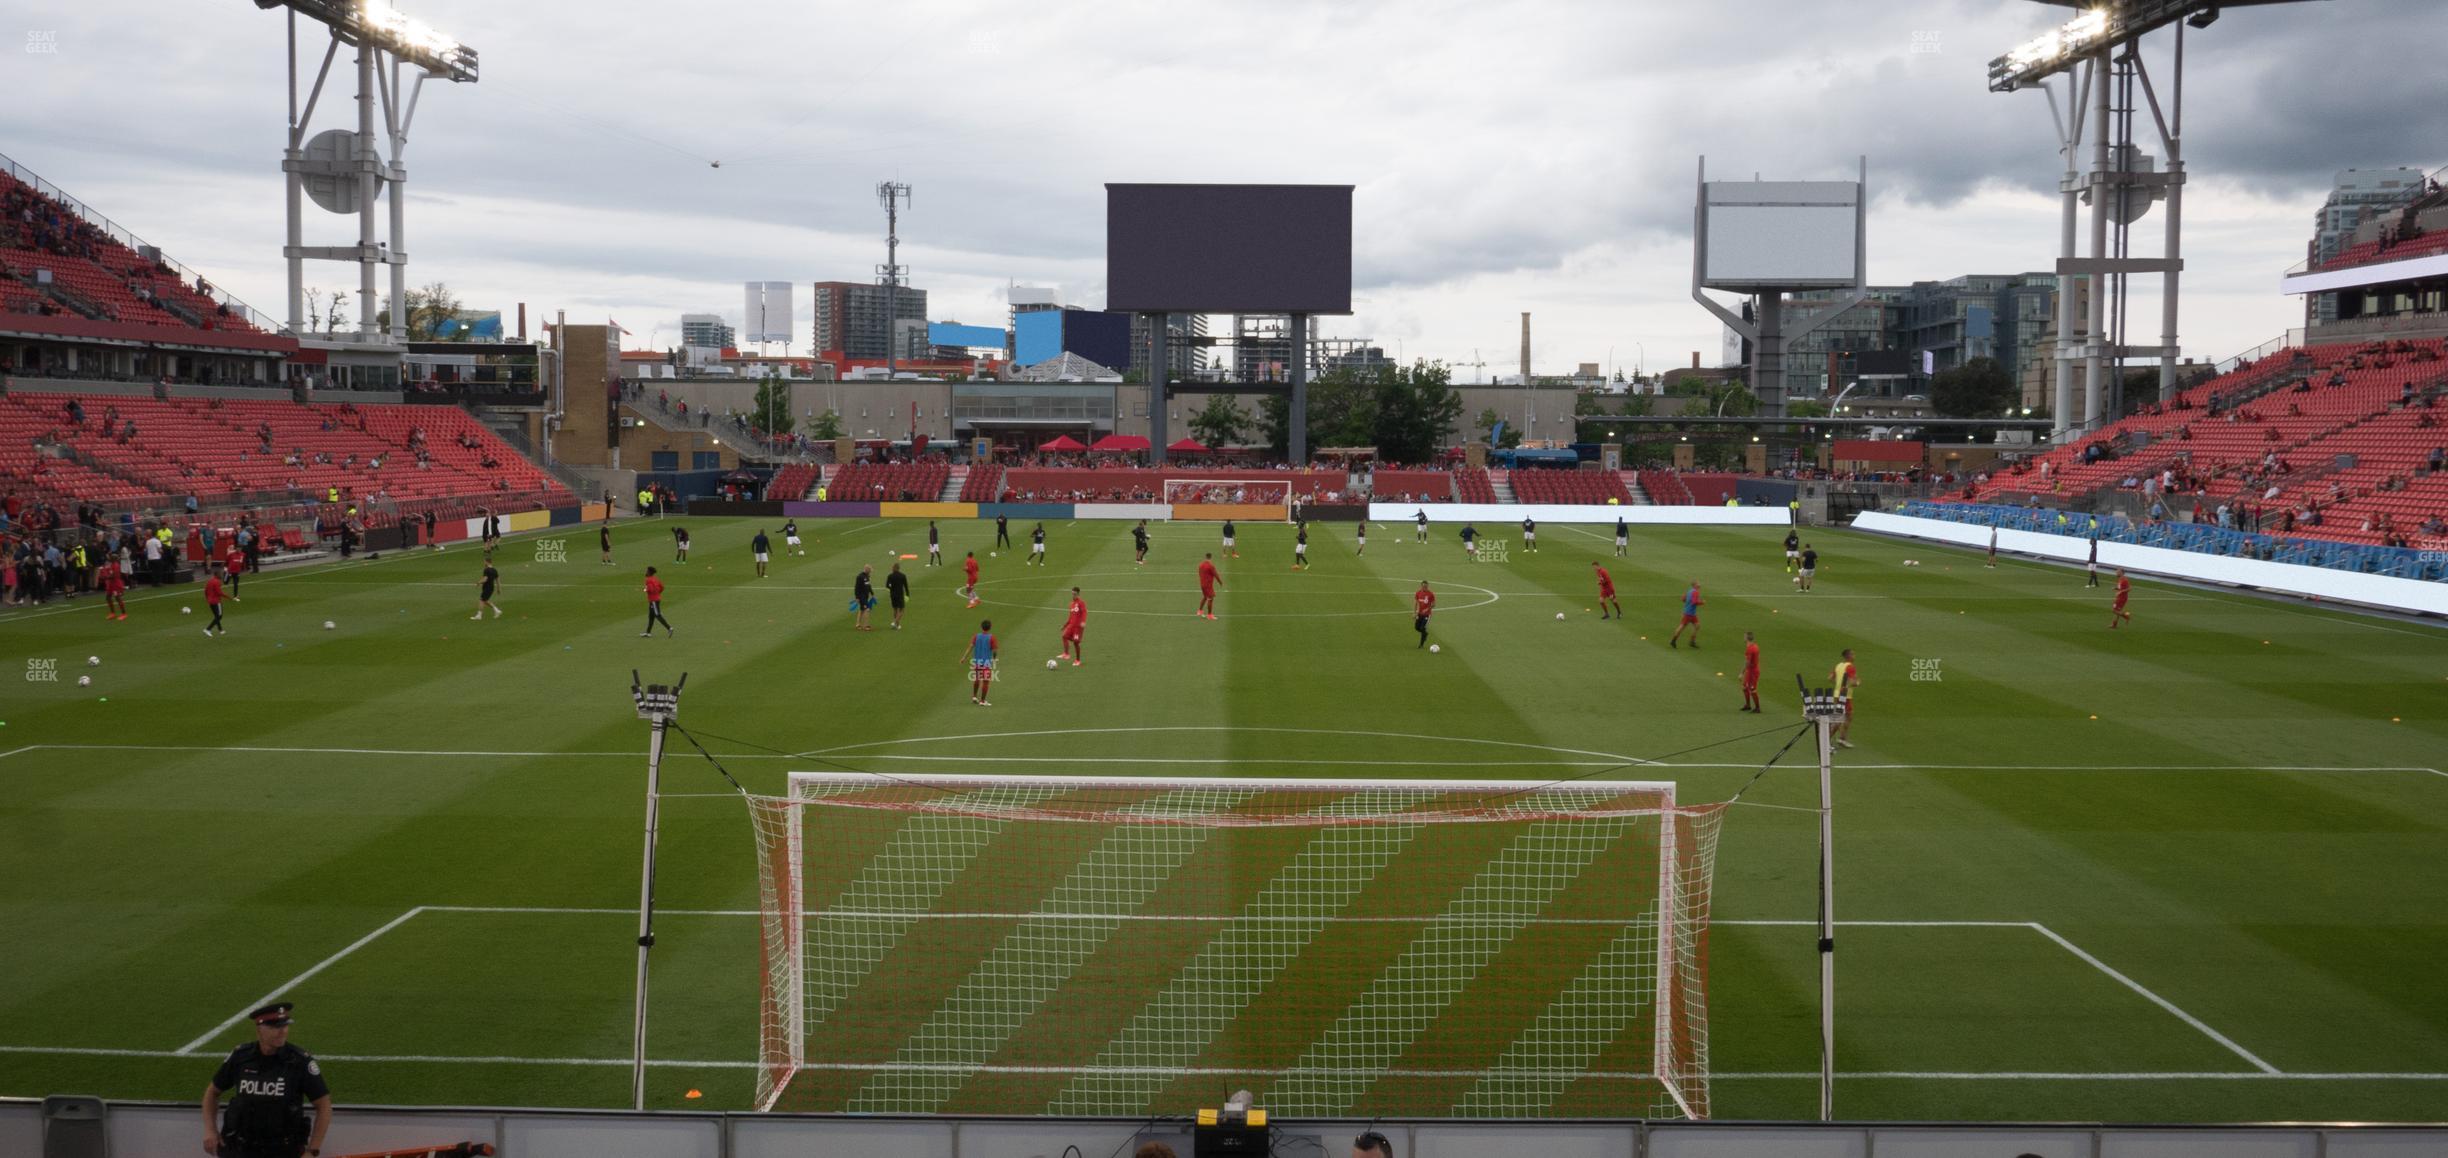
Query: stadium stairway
[1631,485]
[954,484]
[1501,481]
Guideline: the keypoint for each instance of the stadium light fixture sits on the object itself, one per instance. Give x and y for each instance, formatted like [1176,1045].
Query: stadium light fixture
[377,24]
[2108,22]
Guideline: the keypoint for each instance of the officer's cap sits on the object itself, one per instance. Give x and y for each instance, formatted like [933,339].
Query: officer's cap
[273,1015]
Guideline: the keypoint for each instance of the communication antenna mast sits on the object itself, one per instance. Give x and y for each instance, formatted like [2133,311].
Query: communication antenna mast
[890,275]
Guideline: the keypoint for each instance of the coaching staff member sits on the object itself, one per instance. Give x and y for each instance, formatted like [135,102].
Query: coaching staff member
[270,1084]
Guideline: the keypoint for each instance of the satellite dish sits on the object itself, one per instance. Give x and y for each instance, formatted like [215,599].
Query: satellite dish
[328,167]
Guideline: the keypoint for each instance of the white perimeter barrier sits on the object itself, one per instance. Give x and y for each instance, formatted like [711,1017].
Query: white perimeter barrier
[1157,511]
[2294,578]
[1504,514]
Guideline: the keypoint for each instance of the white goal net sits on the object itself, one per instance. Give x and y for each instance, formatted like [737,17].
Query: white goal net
[1092,946]
[1233,492]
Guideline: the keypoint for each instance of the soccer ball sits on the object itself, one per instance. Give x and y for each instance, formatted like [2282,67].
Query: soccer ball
[93,661]
[1435,648]
[1559,615]
[84,681]
[1049,665]
[328,625]
[990,554]
[186,610]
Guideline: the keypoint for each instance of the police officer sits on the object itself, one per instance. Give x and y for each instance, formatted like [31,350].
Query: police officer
[270,1083]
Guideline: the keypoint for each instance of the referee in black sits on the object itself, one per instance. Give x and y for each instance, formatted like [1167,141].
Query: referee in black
[270,1083]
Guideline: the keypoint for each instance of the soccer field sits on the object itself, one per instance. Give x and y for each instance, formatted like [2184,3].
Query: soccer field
[2191,869]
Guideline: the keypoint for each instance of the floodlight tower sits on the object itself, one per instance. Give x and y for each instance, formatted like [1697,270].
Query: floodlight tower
[2098,49]
[341,169]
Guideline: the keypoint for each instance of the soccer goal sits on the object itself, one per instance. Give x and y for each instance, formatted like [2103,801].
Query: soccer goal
[1095,946]
[1228,492]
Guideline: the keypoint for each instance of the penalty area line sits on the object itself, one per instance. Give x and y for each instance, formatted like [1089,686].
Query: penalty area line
[2157,1000]
[188,1050]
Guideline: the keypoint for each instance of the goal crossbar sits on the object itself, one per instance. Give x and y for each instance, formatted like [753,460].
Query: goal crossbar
[1098,945]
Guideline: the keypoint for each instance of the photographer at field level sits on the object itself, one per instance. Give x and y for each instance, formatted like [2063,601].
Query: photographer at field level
[270,1083]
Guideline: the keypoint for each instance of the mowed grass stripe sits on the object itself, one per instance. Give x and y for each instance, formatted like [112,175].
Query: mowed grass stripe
[2290,916]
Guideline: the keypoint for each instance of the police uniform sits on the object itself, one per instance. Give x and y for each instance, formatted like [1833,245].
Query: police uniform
[270,1111]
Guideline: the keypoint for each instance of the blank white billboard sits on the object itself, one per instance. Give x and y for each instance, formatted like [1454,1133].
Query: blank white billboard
[767,317]
[1782,233]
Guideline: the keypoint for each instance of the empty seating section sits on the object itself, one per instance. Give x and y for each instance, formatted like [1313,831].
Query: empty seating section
[1568,486]
[2369,252]
[894,482]
[984,484]
[1665,488]
[217,451]
[2316,429]
[1473,484]
[1413,486]
[39,234]
[792,483]
[1709,490]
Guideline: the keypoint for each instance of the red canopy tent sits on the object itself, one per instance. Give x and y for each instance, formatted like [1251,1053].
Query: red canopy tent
[1117,443]
[1066,442]
[1189,446]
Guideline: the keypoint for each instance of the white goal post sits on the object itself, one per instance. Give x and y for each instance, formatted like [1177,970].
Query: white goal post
[1107,946]
[1242,491]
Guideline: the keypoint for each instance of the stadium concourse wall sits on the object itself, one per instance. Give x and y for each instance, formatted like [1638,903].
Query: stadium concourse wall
[1498,514]
[2379,591]
[143,1129]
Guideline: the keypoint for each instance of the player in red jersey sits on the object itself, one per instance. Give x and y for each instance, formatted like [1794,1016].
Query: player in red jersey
[969,568]
[1075,626]
[212,599]
[114,589]
[2116,611]
[1750,676]
[1423,604]
[1691,617]
[233,564]
[654,606]
[1606,591]
[1208,579]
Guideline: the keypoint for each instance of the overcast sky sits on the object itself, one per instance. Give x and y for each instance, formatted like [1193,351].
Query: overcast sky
[1508,156]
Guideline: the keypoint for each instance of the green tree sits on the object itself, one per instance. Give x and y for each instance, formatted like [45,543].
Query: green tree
[1275,423]
[1416,409]
[1588,404]
[1486,424]
[771,412]
[825,427]
[1406,412]
[1221,423]
[1979,388]
[1806,408]
[428,307]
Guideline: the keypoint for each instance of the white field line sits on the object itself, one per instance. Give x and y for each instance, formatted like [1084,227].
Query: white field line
[1795,1076]
[850,751]
[1216,918]
[2157,1000]
[206,1037]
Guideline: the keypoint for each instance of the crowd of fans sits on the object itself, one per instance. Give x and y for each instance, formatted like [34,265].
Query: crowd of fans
[46,553]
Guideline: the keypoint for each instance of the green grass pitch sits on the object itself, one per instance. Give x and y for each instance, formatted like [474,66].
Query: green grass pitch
[2194,869]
